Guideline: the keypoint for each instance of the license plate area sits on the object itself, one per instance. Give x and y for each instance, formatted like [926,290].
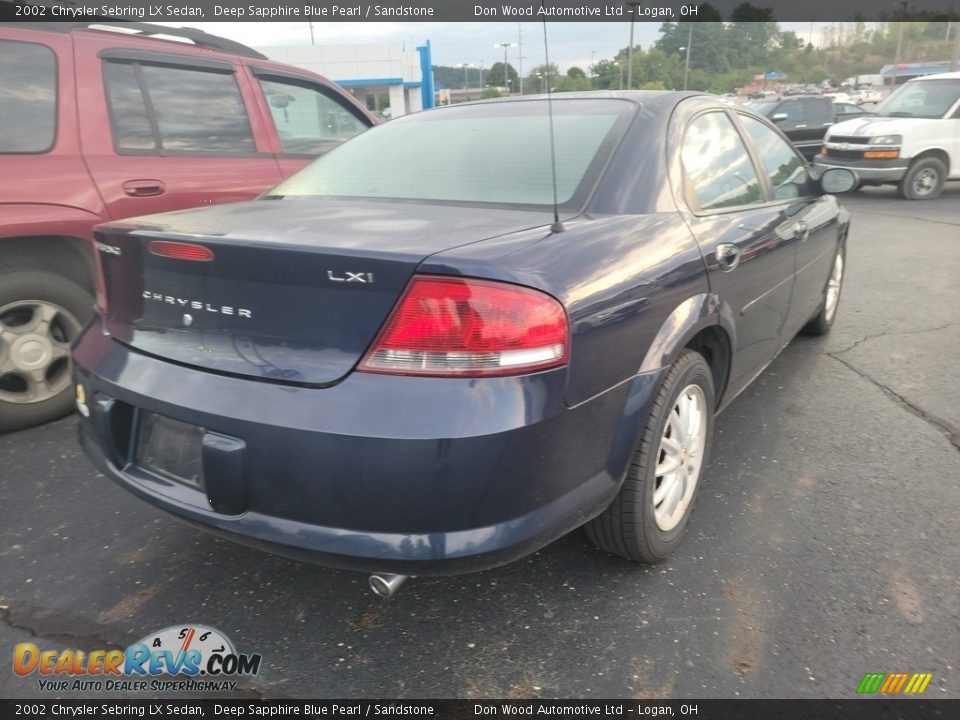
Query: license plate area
[171,449]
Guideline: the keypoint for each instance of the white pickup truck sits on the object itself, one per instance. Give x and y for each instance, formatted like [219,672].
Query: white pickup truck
[911,139]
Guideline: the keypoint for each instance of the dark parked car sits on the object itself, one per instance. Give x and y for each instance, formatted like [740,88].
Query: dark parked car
[398,361]
[805,119]
[101,122]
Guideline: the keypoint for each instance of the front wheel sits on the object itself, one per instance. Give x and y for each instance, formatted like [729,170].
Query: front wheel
[924,180]
[645,522]
[40,315]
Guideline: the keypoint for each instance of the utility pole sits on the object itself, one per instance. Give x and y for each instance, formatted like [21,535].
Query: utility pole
[686,67]
[593,54]
[633,14]
[311,34]
[481,79]
[955,60]
[896,60]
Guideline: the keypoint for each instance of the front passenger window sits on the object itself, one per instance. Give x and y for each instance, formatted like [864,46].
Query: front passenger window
[787,171]
[717,165]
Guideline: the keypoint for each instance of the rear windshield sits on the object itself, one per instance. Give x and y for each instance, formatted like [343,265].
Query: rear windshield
[496,153]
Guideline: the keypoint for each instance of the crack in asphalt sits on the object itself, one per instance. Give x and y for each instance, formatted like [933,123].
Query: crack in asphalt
[33,626]
[951,433]
[905,217]
[889,332]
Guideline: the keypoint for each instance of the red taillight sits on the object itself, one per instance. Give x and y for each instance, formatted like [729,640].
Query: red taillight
[463,327]
[181,251]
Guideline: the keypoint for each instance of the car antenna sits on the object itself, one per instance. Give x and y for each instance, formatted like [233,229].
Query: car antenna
[557,226]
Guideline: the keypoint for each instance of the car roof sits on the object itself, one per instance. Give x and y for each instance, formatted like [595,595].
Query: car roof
[656,100]
[152,33]
[938,76]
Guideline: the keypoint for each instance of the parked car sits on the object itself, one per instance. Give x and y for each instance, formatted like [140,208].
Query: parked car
[805,119]
[866,95]
[432,369]
[101,123]
[911,139]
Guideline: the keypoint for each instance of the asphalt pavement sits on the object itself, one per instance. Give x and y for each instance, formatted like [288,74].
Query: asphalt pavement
[826,542]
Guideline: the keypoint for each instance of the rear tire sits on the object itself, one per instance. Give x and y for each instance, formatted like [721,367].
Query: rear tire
[40,315]
[639,524]
[821,323]
[924,180]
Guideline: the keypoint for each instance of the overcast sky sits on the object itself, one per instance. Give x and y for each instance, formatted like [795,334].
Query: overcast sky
[455,43]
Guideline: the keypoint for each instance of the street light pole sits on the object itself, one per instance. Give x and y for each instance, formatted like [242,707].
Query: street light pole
[686,67]
[633,14]
[506,78]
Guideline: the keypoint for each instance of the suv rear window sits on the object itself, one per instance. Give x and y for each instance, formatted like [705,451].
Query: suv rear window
[156,108]
[28,97]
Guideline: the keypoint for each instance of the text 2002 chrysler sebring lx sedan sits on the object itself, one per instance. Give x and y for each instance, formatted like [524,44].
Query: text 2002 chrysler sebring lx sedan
[396,361]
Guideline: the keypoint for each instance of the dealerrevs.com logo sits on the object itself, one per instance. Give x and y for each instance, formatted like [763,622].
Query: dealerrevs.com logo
[188,657]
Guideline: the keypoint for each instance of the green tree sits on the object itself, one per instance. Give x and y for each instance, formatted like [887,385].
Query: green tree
[575,73]
[495,76]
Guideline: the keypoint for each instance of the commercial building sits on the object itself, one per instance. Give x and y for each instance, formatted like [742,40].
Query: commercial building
[389,78]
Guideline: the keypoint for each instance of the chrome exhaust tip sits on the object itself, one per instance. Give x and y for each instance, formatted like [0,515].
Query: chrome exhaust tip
[386,585]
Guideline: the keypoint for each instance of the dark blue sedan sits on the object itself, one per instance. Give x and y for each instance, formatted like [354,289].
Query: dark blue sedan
[399,360]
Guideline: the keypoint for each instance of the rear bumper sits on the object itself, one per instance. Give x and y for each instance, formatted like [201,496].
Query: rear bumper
[392,474]
[879,171]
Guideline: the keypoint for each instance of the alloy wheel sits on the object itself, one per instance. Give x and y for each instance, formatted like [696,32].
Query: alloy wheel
[833,288]
[35,337]
[680,458]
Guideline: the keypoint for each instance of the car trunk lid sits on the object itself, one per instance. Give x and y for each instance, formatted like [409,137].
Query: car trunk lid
[295,290]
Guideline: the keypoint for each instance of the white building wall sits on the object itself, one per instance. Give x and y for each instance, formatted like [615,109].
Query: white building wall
[385,65]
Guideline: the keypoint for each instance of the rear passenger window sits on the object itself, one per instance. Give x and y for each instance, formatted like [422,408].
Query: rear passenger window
[717,165]
[28,97]
[787,171]
[192,110]
[308,122]
[128,111]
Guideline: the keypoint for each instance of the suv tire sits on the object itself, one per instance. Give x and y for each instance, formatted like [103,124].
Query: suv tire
[41,314]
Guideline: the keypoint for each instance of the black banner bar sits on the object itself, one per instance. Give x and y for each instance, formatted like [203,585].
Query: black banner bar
[860,709]
[475,10]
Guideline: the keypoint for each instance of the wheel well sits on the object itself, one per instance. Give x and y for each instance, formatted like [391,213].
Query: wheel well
[714,344]
[938,154]
[69,257]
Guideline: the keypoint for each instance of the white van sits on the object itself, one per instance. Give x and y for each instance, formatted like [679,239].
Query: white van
[911,139]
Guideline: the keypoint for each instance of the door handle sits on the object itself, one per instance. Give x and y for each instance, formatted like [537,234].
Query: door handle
[144,188]
[728,256]
[800,230]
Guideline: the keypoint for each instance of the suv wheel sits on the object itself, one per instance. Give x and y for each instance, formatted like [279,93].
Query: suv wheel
[924,180]
[40,315]
[646,520]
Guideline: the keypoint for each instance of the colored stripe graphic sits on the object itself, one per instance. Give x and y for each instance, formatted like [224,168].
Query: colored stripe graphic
[871,682]
[894,683]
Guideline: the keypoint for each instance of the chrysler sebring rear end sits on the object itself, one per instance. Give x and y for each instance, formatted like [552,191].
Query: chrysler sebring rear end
[396,361]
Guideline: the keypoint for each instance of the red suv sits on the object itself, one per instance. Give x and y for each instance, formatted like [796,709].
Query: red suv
[101,122]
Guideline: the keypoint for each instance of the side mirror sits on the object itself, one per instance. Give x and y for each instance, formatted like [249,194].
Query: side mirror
[835,181]
[777,117]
